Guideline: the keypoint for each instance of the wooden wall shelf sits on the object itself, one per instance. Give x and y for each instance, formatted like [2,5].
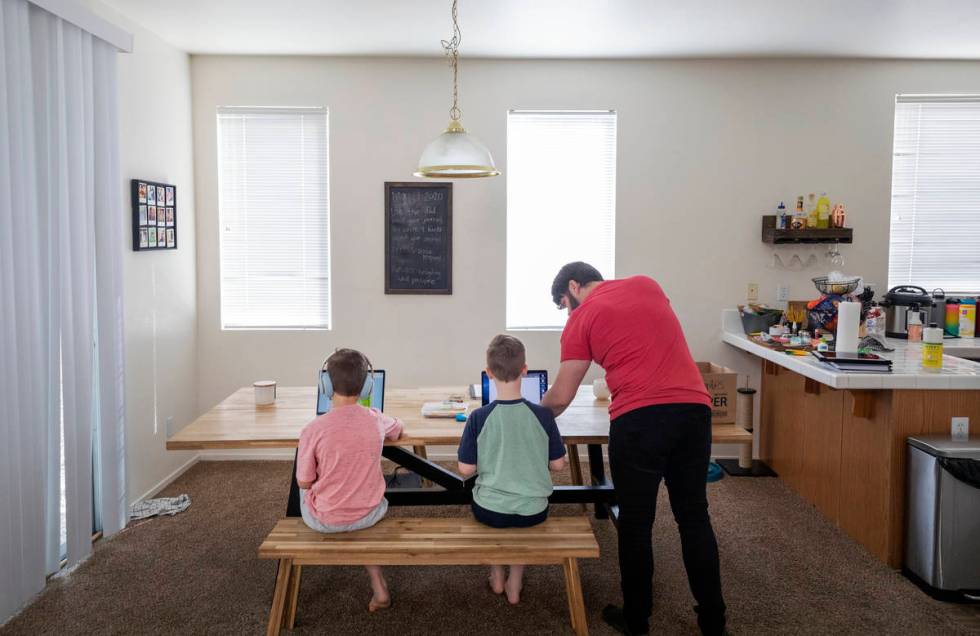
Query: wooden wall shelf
[789,237]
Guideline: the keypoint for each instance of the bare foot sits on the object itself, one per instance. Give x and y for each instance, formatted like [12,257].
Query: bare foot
[378,604]
[513,589]
[380,598]
[497,579]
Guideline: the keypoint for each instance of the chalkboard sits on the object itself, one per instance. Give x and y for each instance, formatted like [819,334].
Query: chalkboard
[418,238]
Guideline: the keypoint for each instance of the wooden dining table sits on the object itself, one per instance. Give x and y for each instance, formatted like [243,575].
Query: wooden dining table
[238,423]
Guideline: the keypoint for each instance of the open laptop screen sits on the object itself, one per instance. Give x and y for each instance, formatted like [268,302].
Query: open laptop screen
[533,387]
[375,400]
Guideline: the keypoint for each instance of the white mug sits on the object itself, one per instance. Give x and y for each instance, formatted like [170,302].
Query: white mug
[600,390]
[265,392]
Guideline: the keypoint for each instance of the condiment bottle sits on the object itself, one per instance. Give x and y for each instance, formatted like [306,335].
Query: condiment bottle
[932,348]
[913,325]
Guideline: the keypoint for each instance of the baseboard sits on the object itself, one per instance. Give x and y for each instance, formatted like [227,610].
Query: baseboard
[271,454]
[166,481]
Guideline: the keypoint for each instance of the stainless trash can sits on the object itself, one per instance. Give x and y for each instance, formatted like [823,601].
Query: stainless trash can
[942,546]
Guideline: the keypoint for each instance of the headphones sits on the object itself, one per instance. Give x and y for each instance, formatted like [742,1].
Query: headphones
[326,384]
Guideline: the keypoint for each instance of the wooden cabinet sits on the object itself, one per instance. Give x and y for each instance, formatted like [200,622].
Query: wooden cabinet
[844,451]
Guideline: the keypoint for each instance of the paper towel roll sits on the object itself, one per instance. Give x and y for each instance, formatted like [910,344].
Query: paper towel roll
[848,322]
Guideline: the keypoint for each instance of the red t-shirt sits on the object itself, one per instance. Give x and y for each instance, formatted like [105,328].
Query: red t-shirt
[628,328]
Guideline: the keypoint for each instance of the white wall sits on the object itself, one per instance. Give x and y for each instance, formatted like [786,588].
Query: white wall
[705,148]
[160,287]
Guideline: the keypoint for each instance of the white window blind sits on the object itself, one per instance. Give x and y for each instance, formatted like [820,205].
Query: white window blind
[274,214]
[561,205]
[935,220]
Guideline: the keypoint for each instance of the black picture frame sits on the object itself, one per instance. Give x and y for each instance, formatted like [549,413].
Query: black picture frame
[151,220]
[446,220]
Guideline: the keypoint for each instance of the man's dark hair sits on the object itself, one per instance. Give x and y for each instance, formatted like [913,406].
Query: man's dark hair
[581,273]
[348,368]
[506,357]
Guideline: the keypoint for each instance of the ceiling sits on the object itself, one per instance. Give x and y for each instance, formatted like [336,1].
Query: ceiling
[569,28]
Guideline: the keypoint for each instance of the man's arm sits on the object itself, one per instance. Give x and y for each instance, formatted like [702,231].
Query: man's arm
[562,392]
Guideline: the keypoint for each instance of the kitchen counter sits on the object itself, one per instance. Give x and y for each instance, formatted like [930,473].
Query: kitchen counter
[839,439]
[907,372]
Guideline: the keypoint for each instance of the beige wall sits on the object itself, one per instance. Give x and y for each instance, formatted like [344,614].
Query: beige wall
[705,147]
[160,287]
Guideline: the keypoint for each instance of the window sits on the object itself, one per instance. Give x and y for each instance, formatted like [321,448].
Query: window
[935,223]
[561,205]
[274,216]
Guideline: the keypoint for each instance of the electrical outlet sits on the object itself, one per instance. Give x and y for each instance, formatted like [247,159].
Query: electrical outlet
[170,426]
[782,293]
[752,293]
[960,429]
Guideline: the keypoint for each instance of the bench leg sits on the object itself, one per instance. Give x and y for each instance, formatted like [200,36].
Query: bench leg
[279,597]
[292,596]
[420,451]
[576,602]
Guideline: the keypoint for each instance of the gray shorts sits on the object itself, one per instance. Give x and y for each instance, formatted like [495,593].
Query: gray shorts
[368,520]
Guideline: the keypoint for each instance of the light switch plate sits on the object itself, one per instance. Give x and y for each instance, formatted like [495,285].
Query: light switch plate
[752,293]
[170,426]
[960,430]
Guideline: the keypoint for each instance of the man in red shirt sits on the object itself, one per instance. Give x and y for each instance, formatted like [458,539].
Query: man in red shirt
[660,429]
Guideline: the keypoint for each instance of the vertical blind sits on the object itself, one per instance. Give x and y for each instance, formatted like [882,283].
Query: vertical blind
[274,215]
[561,205]
[935,219]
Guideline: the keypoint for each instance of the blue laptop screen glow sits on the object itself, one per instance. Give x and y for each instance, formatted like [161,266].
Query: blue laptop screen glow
[533,387]
[375,400]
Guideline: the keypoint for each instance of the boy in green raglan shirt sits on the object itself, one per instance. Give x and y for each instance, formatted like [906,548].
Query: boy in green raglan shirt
[511,444]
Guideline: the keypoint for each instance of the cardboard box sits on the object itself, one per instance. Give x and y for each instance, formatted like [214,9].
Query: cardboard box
[721,383]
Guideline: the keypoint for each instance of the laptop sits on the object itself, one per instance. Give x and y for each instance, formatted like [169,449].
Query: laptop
[375,400]
[533,387]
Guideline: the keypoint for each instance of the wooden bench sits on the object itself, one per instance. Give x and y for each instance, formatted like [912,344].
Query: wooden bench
[427,541]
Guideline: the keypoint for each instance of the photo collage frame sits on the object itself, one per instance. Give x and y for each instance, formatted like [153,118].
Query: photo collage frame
[154,215]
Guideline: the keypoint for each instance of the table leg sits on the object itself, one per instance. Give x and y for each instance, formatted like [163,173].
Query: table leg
[597,468]
[292,503]
[574,466]
[420,451]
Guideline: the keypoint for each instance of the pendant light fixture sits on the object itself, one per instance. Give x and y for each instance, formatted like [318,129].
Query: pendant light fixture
[455,153]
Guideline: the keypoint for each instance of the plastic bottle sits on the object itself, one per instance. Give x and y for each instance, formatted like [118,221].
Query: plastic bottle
[782,219]
[823,211]
[953,316]
[913,325]
[968,317]
[932,348]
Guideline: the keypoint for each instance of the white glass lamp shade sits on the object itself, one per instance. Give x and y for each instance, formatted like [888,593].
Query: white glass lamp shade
[456,154]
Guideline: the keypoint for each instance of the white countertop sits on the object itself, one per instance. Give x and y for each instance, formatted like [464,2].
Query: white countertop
[907,371]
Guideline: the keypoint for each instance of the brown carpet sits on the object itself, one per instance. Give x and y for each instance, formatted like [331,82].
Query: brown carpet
[785,571]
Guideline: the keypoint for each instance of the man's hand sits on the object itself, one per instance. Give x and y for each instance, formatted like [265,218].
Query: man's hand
[562,392]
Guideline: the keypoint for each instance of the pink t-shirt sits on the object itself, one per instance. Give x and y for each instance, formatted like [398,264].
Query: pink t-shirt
[340,452]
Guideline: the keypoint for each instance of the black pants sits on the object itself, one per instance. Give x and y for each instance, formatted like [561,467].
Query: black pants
[670,442]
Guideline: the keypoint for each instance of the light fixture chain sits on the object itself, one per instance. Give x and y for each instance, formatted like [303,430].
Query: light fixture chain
[452,52]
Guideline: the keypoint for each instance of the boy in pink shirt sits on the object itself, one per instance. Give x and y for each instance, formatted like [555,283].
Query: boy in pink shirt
[338,467]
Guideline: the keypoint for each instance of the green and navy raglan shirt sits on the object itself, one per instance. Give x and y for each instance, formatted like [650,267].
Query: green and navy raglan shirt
[511,443]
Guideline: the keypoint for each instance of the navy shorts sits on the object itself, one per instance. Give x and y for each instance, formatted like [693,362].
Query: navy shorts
[503,520]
